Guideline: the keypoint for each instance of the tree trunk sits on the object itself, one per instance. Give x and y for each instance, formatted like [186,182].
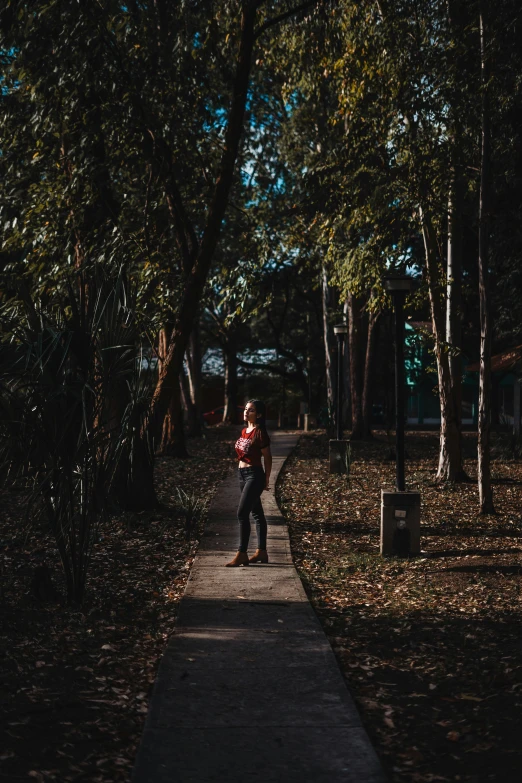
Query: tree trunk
[484,407]
[330,395]
[172,442]
[189,410]
[367,396]
[454,286]
[450,458]
[193,357]
[454,303]
[168,379]
[231,384]
[356,371]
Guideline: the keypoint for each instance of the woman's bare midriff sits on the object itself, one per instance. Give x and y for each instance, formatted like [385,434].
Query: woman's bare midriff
[244,464]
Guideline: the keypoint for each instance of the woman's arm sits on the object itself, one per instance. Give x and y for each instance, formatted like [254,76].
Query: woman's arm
[267,457]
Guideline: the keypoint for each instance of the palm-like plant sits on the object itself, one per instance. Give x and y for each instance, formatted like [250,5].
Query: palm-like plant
[192,509]
[73,396]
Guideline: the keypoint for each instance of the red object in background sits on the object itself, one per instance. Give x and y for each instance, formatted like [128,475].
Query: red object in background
[215,416]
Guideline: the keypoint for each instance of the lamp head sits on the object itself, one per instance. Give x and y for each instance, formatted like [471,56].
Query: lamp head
[395,283]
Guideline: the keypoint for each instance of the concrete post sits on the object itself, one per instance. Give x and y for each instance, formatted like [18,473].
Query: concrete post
[400,523]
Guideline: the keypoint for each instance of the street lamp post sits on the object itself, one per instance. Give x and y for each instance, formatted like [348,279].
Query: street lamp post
[338,448]
[399,287]
[400,510]
[340,331]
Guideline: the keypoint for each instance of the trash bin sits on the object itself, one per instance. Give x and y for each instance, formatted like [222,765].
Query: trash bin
[400,523]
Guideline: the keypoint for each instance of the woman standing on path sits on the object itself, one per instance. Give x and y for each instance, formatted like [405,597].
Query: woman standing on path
[253,480]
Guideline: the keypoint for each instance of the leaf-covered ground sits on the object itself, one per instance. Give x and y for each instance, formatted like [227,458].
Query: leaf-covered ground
[431,647]
[75,683]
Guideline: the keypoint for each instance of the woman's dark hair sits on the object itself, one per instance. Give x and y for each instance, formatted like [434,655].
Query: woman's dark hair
[261,412]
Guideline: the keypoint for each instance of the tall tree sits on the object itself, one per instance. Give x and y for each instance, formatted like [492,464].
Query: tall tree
[194,360]
[328,352]
[450,459]
[408,65]
[369,372]
[198,255]
[484,414]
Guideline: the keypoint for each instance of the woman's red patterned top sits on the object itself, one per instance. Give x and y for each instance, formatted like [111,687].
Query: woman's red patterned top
[248,446]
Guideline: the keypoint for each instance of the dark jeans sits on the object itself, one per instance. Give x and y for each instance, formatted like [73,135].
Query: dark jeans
[252,484]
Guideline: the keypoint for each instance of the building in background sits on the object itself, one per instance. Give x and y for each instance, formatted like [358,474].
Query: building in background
[423,408]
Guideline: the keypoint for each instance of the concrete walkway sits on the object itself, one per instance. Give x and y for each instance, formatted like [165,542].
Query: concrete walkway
[248,687]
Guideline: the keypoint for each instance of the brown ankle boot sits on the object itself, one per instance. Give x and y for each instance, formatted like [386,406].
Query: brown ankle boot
[260,556]
[241,559]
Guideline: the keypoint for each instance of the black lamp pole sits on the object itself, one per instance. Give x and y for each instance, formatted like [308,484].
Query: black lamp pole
[399,288]
[399,298]
[340,331]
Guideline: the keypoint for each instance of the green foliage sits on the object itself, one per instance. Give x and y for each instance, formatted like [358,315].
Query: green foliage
[111,113]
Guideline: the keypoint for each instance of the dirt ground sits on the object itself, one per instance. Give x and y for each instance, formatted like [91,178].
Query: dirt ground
[75,683]
[431,647]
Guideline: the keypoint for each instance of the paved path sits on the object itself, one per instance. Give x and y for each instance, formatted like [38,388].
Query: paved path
[248,687]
